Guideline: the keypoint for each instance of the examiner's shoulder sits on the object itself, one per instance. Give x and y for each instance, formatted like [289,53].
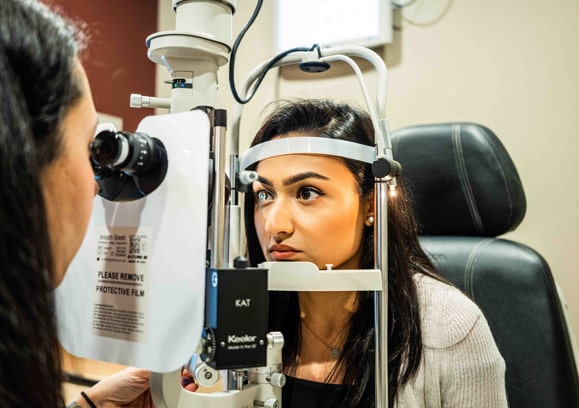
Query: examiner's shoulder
[447,315]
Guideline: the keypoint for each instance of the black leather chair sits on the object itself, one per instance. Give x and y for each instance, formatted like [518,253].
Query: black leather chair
[467,192]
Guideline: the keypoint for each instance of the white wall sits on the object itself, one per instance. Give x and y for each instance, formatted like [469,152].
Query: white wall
[510,65]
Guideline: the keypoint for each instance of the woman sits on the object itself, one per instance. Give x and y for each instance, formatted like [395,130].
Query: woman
[46,192]
[320,209]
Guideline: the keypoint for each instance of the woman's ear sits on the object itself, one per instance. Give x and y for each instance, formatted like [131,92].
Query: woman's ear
[368,208]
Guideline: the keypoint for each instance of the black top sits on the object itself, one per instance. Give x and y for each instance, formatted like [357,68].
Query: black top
[298,393]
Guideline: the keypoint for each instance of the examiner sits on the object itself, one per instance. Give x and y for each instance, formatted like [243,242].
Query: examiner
[47,188]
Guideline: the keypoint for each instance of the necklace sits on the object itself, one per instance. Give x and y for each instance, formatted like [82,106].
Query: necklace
[334,351]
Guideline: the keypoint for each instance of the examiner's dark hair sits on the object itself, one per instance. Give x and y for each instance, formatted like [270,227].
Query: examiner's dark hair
[37,87]
[329,119]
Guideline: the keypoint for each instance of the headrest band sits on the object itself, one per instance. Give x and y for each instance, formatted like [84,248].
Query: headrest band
[307,145]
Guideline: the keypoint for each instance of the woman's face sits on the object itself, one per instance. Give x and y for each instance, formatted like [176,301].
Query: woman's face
[308,209]
[68,182]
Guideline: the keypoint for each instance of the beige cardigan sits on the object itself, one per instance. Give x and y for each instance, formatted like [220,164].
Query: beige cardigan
[461,366]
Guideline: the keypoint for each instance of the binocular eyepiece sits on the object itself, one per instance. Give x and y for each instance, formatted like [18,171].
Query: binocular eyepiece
[127,166]
[133,153]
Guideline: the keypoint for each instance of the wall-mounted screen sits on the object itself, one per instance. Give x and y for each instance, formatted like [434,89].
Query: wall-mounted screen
[302,23]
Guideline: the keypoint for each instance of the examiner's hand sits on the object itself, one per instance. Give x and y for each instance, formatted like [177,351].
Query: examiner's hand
[126,388]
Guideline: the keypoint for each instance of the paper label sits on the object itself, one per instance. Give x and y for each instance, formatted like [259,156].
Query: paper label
[122,264]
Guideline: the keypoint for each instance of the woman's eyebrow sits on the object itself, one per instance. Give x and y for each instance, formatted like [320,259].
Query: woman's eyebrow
[302,176]
[296,178]
[264,181]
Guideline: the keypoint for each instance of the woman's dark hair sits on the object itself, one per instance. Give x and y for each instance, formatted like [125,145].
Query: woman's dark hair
[37,87]
[325,118]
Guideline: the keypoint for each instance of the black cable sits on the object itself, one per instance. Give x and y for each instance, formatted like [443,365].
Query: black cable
[234,51]
[272,62]
[397,5]
[269,65]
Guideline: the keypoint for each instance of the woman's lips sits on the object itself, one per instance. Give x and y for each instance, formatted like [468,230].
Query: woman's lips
[282,252]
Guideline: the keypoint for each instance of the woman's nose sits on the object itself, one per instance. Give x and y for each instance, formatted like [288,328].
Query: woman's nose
[279,219]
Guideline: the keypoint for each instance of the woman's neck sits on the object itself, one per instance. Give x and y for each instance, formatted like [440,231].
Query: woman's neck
[325,319]
[328,312]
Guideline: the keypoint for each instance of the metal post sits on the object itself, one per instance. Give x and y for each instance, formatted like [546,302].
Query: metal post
[218,219]
[381,298]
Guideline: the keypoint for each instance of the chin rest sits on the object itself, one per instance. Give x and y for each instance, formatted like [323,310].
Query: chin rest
[466,192]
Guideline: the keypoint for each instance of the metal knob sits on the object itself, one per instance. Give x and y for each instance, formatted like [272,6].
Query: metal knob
[205,375]
[268,403]
[277,380]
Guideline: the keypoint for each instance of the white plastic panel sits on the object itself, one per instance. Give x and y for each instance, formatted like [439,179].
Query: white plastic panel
[134,294]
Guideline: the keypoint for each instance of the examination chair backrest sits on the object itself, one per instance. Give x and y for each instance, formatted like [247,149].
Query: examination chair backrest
[467,192]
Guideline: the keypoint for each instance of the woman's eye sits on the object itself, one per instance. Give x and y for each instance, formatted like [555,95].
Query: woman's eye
[262,196]
[308,194]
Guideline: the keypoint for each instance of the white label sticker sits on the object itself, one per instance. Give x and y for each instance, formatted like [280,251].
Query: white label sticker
[120,303]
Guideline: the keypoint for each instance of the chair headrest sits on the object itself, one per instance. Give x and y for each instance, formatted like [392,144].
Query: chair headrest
[462,179]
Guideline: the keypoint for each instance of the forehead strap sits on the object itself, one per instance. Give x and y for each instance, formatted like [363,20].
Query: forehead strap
[307,145]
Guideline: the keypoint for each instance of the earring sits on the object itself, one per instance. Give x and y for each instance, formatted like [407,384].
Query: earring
[369,221]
